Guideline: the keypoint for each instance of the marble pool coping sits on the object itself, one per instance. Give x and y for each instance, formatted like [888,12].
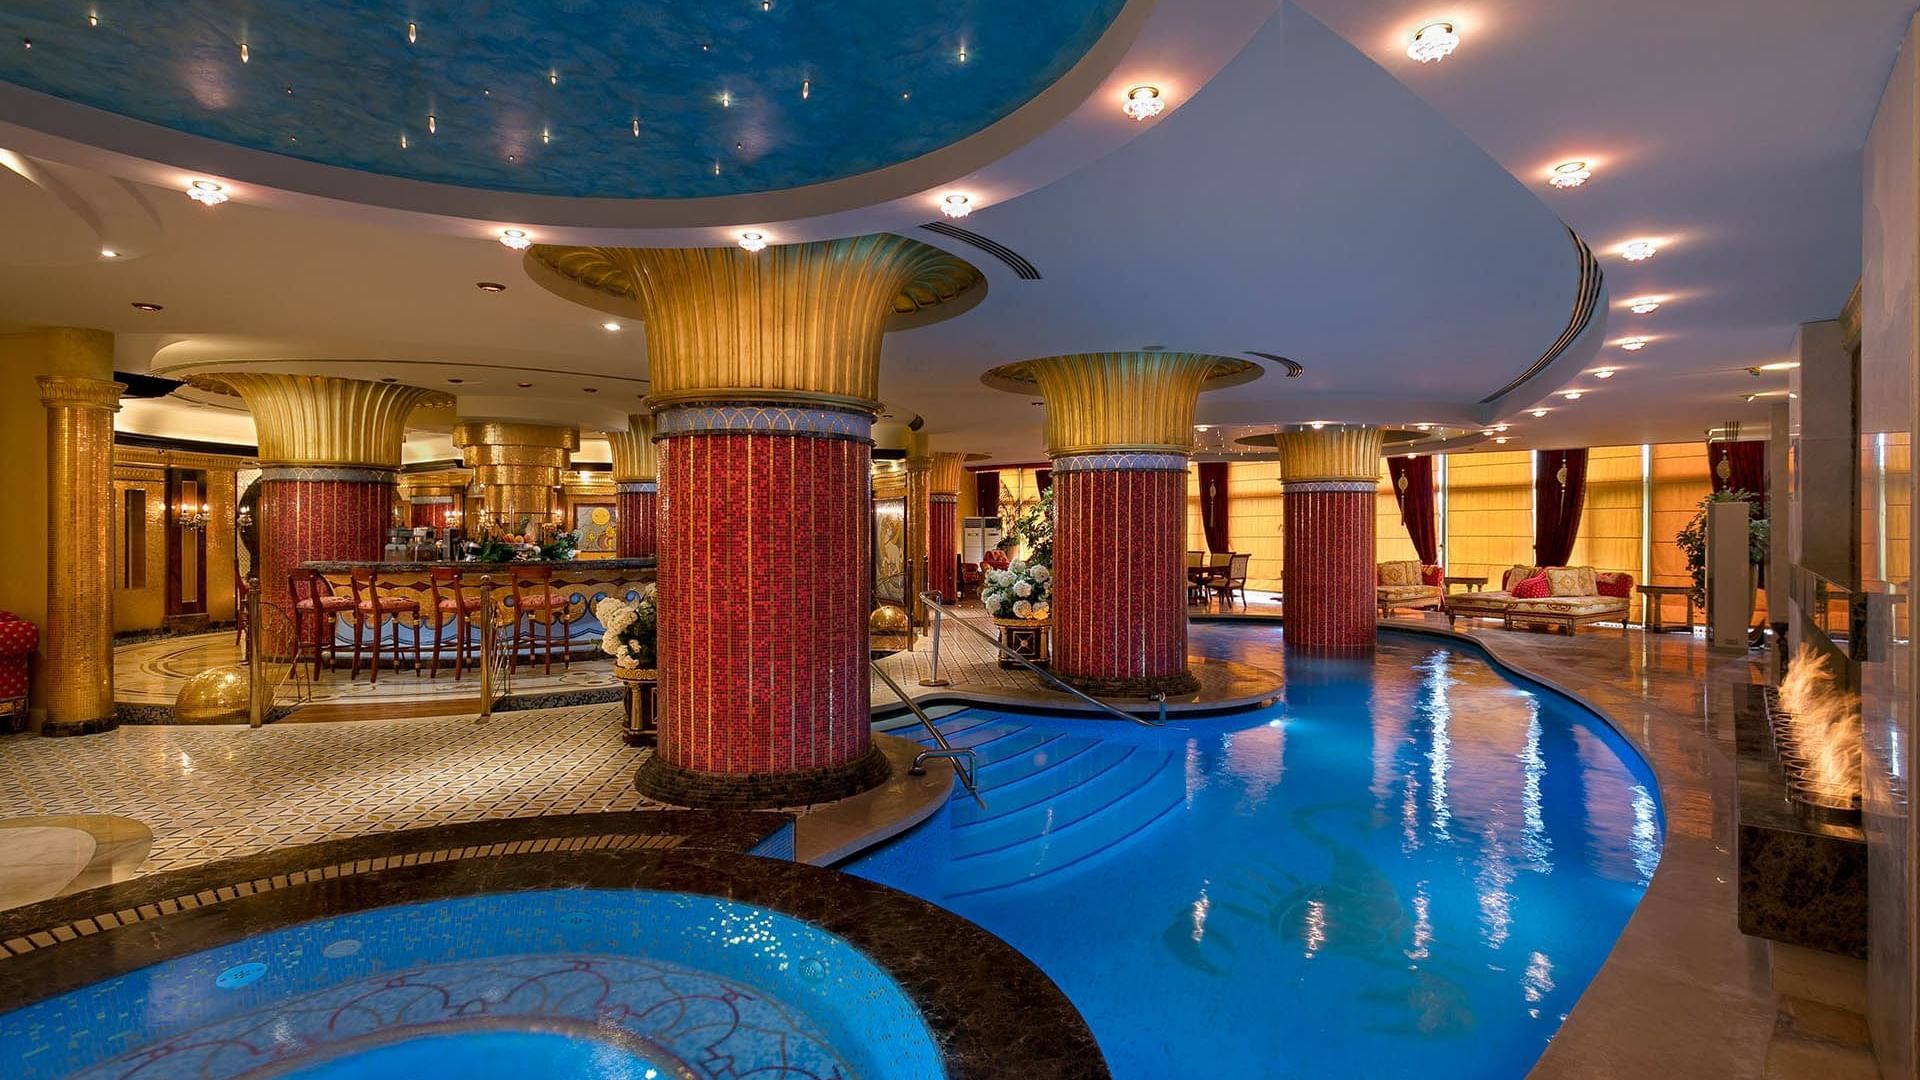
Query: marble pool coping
[993,1012]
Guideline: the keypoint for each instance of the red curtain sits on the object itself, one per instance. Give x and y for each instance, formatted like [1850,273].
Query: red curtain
[1560,490]
[1215,519]
[986,490]
[1413,489]
[1740,466]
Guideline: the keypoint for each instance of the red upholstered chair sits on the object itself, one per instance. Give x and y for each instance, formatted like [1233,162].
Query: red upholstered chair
[371,608]
[1434,576]
[452,604]
[316,611]
[17,640]
[1615,584]
[536,603]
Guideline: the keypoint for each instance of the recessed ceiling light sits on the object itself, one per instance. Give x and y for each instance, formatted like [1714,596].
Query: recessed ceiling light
[1316,424]
[206,193]
[1604,373]
[609,325]
[956,206]
[1423,427]
[525,385]
[1633,344]
[1643,305]
[456,381]
[515,239]
[753,241]
[1572,395]
[1501,427]
[489,286]
[1502,440]
[109,253]
[1570,174]
[1485,432]
[388,378]
[1434,41]
[1143,103]
[1538,413]
[141,305]
[1639,250]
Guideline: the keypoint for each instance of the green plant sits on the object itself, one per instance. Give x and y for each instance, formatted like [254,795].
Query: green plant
[1034,527]
[491,547]
[1692,540]
[560,546]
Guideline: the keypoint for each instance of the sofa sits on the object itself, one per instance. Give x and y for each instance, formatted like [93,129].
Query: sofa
[1569,596]
[17,640]
[1406,585]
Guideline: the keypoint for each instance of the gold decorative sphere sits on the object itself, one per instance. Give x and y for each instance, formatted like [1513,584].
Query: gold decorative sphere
[215,696]
[888,619]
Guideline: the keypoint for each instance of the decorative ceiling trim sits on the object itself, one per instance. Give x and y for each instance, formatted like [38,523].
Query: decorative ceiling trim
[1586,300]
[1022,268]
[1295,368]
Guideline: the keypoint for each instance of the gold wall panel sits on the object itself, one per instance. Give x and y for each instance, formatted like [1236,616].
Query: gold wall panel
[633,454]
[140,600]
[322,420]
[1611,530]
[1334,452]
[1120,402]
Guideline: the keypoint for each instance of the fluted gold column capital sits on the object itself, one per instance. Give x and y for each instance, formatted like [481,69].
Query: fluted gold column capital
[320,420]
[1344,452]
[80,392]
[634,460]
[1120,402]
[949,470]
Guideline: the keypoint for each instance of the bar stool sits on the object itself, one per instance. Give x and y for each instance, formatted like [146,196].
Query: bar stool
[451,602]
[370,606]
[533,593]
[315,604]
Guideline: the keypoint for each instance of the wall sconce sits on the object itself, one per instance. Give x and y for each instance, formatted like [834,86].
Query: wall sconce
[193,518]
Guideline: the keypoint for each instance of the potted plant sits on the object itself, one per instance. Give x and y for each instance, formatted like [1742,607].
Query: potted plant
[559,546]
[1692,542]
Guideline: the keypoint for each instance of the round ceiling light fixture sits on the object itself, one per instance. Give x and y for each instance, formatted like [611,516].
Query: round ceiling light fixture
[1633,344]
[1570,174]
[610,325]
[1538,413]
[1643,305]
[1143,103]
[141,305]
[109,253]
[1423,427]
[956,206]
[206,193]
[1316,424]
[1639,250]
[1572,395]
[753,241]
[1502,440]
[517,239]
[489,286]
[1604,373]
[1434,41]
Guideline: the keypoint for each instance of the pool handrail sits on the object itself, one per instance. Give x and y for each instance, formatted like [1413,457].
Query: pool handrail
[943,749]
[935,602]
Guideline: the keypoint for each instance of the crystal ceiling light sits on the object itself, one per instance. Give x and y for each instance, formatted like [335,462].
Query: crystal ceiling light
[956,206]
[1644,305]
[1434,41]
[206,193]
[1572,395]
[753,241]
[1143,103]
[516,239]
[1634,344]
[1570,174]
[1639,250]
[1538,413]
[1604,373]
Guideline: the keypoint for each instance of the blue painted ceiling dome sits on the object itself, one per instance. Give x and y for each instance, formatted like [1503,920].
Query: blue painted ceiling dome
[588,98]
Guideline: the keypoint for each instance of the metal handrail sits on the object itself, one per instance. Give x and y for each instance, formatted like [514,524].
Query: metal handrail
[933,600]
[945,750]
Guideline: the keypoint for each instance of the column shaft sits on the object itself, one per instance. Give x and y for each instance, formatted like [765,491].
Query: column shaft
[943,541]
[635,478]
[1119,587]
[1328,477]
[77,647]
[919,518]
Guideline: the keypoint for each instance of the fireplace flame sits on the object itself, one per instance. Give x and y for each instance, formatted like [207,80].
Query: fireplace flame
[1824,724]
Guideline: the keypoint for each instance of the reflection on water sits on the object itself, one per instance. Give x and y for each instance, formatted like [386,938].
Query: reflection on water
[1406,850]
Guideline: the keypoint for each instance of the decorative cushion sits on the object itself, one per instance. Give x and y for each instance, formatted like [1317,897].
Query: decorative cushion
[1434,576]
[1515,575]
[1614,584]
[1400,572]
[1571,581]
[1537,587]
[1570,605]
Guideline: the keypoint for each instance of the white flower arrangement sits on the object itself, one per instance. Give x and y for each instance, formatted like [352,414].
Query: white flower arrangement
[1018,592]
[631,627]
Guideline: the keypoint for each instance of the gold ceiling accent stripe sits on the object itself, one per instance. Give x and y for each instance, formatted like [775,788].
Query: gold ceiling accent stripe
[1586,300]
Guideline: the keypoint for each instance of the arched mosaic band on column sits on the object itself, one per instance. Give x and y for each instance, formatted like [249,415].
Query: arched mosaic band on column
[637,503]
[764,547]
[1119,587]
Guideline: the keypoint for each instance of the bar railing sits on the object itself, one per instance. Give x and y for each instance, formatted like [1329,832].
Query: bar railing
[969,775]
[496,667]
[272,681]
[940,610]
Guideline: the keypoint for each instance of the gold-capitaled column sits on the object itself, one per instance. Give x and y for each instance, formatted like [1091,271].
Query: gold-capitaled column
[78,644]
[1334,452]
[1328,477]
[634,460]
[945,473]
[636,485]
[919,517]
[322,421]
[519,464]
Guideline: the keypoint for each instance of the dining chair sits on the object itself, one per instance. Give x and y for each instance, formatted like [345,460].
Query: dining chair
[317,607]
[536,603]
[452,604]
[1235,580]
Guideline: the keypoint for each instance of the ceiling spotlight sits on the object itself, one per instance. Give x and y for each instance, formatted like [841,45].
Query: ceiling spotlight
[1501,427]
[1317,424]
[753,241]
[1572,395]
[1570,174]
[456,382]
[206,193]
[525,385]
[1486,432]
[1604,373]
[1538,413]
[609,325]
[1633,344]
[489,286]
[1639,250]
[956,206]
[109,253]
[246,54]
[1434,41]
[1143,103]
[1502,440]
[1644,305]
[515,239]
[143,306]
[1423,427]
[413,33]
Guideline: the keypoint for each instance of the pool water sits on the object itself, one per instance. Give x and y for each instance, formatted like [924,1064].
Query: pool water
[1410,865]
[566,982]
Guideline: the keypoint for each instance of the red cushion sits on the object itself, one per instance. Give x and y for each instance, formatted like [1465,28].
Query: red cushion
[327,603]
[551,599]
[1433,575]
[1534,588]
[391,603]
[1615,584]
[470,603]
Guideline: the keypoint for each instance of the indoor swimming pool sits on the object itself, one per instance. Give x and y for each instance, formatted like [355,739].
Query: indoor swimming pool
[1411,860]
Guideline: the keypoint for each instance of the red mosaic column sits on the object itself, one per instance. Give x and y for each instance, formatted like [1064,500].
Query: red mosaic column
[317,514]
[637,504]
[764,563]
[1328,478]
[1119,578]
[943,539]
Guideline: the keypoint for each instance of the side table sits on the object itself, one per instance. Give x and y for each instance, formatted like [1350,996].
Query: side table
[640,725]
[1030,638]
[1652,597]
[1473,582]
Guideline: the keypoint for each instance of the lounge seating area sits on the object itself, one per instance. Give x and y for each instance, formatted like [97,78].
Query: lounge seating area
[1222,574]
[1569,596]
[1407,585]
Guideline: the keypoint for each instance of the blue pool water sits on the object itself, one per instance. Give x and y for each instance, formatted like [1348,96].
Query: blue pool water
[604,983]
[1409,866]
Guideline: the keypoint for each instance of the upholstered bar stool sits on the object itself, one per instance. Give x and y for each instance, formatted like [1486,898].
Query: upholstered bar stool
[370,608]
[318,608]
[452,604]
[533,597]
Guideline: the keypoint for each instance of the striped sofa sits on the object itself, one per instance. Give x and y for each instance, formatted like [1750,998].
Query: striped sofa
[1569,596]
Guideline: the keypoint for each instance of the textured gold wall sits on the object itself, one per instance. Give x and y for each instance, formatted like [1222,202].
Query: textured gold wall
[1680,480]
[143,607]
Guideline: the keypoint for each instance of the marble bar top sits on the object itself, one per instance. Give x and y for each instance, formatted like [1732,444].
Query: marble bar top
[590,565]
